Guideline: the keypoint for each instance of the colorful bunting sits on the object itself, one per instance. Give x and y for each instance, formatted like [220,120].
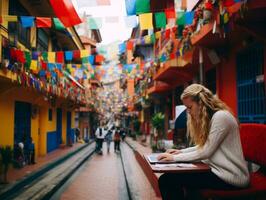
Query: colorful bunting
[170,13]
[142,6]
[145,21]
[189,16]
[27,21]
[103,2]
[160,20]
[131,7]
[181,18]
[94,23]
[51,57]
[87,3]
[131,21]
[43,22]
[66,12]
[58,24]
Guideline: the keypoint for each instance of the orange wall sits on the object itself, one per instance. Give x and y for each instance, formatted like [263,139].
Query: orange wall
[226,81]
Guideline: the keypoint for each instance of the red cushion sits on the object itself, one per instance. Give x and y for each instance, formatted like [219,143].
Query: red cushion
[257,187]
[253,139]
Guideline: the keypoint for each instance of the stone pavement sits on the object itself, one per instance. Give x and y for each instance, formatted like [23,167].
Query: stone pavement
[102,178]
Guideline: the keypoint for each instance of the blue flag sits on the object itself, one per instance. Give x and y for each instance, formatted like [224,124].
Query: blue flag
[68,55]
[131,7]
[189,16]
[27,21]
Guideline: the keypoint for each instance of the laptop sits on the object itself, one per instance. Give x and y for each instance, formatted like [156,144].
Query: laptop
[152,158]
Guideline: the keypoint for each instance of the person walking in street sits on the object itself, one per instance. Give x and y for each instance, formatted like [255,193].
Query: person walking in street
[99,139]
[117,140]
[108,138]
[215,132]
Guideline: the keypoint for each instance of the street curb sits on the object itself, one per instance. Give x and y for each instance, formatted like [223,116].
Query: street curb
[27,179]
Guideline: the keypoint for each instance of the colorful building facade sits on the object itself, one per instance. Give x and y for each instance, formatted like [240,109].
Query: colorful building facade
[31,107]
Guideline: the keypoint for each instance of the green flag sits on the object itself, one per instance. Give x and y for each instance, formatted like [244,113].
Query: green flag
[142,6]
[153,38]
[160,20]
[28,59]
[181,19]
[58,24]
[45,56]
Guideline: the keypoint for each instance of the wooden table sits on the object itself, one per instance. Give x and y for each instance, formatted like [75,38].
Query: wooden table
[198,167]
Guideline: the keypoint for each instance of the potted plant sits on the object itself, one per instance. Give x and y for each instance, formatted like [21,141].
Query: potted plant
[158,124]
[6,157]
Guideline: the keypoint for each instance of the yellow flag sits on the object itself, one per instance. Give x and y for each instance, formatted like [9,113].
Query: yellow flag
[84,53]
[145,21]
[158,34]
[51,57]
[10,18]
[147,39]
[33,65]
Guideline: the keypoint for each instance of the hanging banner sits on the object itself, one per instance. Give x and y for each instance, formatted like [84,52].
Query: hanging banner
[66,12]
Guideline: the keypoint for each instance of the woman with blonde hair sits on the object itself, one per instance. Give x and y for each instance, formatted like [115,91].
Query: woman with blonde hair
[215,132]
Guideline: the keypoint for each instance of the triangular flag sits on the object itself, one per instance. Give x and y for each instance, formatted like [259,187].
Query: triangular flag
[103,2]
[170,13]
[43,22]
[68,55]
[180,18]
[189,16]
[131,21]
[84,53]
[142,6]
[58,24]
[51,57]
[145,21]
[160,20]
[131,7]
[86,3]
[27,21]
[94,23]
[65,11]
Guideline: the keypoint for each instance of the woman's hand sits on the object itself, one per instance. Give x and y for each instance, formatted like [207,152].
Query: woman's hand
[173,151]
[165,157]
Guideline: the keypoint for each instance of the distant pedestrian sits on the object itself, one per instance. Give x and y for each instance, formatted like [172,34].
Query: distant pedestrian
[99,139]
[108,139]
[117,140]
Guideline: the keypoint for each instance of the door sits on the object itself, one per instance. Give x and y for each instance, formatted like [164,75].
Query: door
[22,126]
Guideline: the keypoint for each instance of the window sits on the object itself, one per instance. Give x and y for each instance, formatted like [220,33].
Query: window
[15,29]
[50,115]
[42,41]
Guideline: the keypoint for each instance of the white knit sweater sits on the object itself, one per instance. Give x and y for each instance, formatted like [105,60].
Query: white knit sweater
[222,151]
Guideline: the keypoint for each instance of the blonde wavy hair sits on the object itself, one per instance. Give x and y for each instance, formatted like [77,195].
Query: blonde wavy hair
[198,129]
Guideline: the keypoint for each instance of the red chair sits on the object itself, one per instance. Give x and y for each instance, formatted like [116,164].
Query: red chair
[253,139]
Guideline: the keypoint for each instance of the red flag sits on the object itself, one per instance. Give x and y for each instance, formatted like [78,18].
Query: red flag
[1,20]
[170,13]
[129,45]
[167,33]
[66,12]
[99,58]
[76,54]
[60,56]
[43,22]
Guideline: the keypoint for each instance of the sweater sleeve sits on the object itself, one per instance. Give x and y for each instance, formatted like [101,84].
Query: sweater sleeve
[220,125]
[189,149]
